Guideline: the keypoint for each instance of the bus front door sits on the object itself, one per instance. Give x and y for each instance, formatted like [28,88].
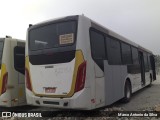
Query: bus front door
[141,60]
[152,60]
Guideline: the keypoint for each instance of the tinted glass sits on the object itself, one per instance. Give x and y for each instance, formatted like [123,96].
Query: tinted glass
[135,56]
[52,35]
[149,61]
[126,54]
[19,59]
[113,51]
[97,45]
[146,62]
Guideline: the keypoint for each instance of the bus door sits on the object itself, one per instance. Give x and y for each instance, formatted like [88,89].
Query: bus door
[141,61]
[152,60]
[19,63]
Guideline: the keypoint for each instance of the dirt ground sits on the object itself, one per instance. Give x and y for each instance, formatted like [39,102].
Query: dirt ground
[145,99]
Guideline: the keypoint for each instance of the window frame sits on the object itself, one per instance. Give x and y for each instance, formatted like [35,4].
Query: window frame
[145,54]
[131,58]
[99,32]
[119,41]
[15,61]
[47,24]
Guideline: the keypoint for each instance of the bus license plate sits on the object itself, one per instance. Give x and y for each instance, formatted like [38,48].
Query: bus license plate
[50,90]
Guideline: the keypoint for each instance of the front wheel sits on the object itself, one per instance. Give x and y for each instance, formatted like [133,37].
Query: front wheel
[127,92]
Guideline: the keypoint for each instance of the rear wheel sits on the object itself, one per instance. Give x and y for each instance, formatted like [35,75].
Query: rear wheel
[127,92]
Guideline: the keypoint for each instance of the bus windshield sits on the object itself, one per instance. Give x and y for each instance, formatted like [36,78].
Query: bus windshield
[53,35]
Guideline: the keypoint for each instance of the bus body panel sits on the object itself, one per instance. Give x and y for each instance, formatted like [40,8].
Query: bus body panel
[57,76]
[15,88]
[115,76]
[83,41]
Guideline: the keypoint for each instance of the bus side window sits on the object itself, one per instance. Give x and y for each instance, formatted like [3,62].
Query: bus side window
[149,62]
[135,67]
[146,62]
[97,47]
[19,59]
[135,58]
[113,51]
[126,54]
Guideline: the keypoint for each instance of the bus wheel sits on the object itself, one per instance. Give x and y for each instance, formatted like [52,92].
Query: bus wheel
[127,92]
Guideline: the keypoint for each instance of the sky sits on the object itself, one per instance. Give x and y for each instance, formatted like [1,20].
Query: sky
[137,20]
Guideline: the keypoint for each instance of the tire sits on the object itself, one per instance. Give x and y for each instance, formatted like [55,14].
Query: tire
[127,92]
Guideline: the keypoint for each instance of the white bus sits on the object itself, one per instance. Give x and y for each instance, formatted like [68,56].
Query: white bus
[75,63]
[12,69]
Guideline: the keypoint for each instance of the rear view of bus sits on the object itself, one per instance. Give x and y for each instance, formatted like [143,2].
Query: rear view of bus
[12,80]
[55,64]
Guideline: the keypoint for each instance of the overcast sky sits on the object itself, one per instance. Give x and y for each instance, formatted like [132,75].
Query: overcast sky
[137,20]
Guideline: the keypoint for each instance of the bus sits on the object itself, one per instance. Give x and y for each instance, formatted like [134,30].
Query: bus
[75,63]
[12,70]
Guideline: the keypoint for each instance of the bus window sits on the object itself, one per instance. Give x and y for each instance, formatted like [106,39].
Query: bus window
[135,67]
[113,51]
[19,59]
[149,61]
[126,54]
[135,58]
[48,44]
[97,47]
[1,52]
[52,36]
[146,62]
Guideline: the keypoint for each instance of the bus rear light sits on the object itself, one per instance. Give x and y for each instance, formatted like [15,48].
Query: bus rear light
[81,75]
[28,80]
[4,83]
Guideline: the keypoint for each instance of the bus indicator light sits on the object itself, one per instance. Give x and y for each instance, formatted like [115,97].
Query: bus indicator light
[81,75]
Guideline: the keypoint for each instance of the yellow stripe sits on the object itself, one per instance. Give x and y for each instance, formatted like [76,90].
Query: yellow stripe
[79,58]
[27,67]
[20,92]
[3,71]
